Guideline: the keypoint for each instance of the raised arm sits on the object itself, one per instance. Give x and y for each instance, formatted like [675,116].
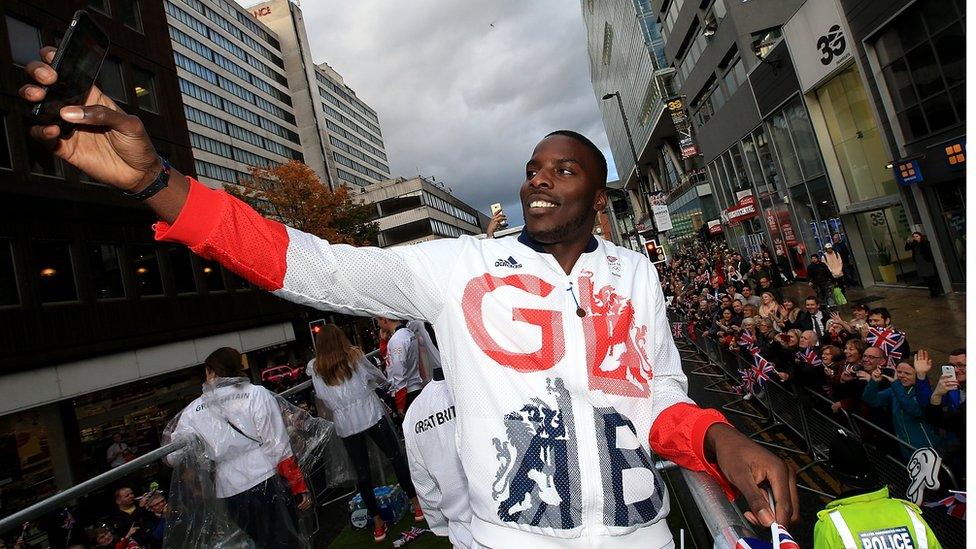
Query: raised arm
[113,147]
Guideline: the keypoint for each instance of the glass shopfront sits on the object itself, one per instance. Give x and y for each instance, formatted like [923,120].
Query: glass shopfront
[779,162]
[137,411]
[884,233]
[857,143]
[26,467]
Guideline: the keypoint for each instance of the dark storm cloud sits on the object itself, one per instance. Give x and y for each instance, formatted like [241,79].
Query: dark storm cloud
[458,98]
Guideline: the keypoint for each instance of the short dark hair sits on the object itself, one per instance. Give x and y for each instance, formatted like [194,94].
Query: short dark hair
[225,362]
[812,297]
[860,306]
[601,160]
[957,352]
[883,311]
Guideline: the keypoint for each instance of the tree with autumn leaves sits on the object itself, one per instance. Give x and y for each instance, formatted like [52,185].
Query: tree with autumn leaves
[293,194]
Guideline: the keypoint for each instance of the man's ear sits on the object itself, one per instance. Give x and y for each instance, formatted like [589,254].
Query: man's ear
[600,200]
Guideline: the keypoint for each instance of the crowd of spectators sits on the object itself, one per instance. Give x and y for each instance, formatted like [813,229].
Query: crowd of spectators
[851,359]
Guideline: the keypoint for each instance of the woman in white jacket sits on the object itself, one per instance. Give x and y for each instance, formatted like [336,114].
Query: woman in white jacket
[345,381]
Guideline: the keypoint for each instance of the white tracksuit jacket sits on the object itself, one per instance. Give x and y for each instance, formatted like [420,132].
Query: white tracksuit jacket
[556,413]
[255,449]
[435,467]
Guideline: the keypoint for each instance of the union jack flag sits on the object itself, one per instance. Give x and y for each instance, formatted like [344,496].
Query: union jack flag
[677,329]
[782,539]
[748,382]
[888,340]
[762,370]
[748,342]
[809,355]
[752,543]
[409,536]
[954,503]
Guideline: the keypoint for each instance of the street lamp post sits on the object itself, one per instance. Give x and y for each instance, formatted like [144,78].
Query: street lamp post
[633,150]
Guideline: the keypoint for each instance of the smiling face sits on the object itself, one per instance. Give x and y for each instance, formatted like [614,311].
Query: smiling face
[905,374]
[562,191]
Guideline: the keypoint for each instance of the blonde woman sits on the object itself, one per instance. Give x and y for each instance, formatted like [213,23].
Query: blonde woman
[768,307]
[345,381]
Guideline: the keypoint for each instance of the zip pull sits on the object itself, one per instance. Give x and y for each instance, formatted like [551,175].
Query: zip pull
[579,310]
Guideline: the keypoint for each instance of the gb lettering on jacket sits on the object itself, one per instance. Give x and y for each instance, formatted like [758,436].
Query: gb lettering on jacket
[615,345]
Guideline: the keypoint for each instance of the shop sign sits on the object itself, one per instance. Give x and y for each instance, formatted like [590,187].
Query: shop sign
[688,148]
[908,172]
[662,218]
[715,227]
[745,209]
[818,41]
[956,155]
[676,107]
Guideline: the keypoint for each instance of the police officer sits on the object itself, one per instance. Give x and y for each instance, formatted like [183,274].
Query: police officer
[867,517]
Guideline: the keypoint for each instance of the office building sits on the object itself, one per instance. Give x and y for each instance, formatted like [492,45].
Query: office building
[104,328]
[333,122]
[415,210]
[236,98]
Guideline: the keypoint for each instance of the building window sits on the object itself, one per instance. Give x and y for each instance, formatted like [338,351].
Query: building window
[181,269]
[763,42]
[130,14]
[25,41]
[671,15]
[100,6]
[110,80]
[145,270]
[607,42]
[53,271]
[106,271]
[9,292]
[4,144]
[734,76]
[922,58]
[212,275]
[145,89]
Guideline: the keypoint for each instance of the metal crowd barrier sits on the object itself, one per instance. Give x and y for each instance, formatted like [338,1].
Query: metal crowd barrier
[805,415]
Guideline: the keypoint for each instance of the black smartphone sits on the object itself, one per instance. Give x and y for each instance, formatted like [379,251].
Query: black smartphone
[890,372]
[77,62]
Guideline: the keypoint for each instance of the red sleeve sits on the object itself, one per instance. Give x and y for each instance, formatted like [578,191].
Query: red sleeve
[218,226]
[401,400]
[678,434]
[289,469]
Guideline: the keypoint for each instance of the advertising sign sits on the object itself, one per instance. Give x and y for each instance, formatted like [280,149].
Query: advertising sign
[662,218]
[715,227]
[818,41]
[745,209]
[908,172]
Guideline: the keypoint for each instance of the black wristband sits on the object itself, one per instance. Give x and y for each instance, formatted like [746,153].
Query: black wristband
[158,184]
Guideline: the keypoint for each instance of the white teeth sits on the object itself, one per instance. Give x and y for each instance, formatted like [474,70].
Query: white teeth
[541,204]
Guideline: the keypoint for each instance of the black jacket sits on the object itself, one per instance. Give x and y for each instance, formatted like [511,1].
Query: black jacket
[819,274]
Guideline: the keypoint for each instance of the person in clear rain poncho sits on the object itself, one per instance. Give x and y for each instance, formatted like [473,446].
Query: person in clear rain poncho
[240,480]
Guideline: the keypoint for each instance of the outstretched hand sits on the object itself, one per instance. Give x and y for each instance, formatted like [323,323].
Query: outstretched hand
[109,145]
[923,363]
[751,468]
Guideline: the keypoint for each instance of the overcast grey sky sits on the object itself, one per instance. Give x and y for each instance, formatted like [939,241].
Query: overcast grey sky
[464,90]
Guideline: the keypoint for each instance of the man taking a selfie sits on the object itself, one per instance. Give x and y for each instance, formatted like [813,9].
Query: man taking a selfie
[560,357]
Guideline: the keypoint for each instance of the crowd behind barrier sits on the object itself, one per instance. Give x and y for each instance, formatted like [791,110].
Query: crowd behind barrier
[800,412]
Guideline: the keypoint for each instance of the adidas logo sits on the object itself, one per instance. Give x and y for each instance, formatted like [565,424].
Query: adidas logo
[510,263]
